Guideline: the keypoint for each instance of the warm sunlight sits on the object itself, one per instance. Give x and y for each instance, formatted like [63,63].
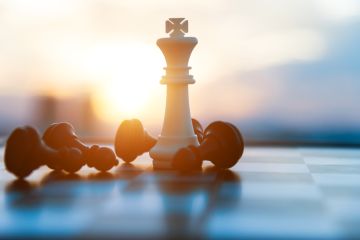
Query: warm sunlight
[131,79]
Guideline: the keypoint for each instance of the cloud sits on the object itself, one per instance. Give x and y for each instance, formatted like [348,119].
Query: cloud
[233,35]
[338,10]
[317,94]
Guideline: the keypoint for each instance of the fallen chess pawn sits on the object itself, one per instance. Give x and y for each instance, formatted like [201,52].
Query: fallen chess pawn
[25,152]
[198,129]
[60,135]
[132,139]
[222,144]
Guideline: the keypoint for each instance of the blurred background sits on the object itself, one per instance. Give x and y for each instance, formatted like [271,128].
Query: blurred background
[282,71]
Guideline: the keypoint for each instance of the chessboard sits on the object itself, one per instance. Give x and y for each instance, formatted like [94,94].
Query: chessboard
[272,193]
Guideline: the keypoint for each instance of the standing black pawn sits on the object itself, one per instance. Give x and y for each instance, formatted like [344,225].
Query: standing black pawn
[223,145]
[132,139]
[25,152]
[60,135]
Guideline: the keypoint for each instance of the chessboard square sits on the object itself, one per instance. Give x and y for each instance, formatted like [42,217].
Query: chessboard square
[127,212]
[342,192]
[331,161]
[176,177]
[271,167]
[44,221]
[347,214]
[332,179]
[276,177]
[134,204]
[274,191]
[126,227]
[331,152]
[274,159]
[344,169]
[271,152]
[262,226]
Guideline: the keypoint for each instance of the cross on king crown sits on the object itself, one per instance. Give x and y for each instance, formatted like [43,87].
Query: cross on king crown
[177,27]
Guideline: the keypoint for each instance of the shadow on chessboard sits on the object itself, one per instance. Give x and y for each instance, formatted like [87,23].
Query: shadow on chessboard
[67,187]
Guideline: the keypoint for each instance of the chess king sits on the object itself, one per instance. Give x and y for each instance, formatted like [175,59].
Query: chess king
[177,131]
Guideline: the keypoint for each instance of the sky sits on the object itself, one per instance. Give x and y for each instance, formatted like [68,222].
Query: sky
[290,64]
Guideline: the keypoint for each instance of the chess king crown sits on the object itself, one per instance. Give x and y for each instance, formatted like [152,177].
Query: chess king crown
[177,50]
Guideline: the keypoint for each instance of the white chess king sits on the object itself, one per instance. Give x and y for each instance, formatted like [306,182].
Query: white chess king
[177,131]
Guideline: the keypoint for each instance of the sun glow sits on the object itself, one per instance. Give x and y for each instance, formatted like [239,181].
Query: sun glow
[132,79]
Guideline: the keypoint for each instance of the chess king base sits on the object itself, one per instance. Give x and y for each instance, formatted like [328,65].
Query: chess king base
[164,152]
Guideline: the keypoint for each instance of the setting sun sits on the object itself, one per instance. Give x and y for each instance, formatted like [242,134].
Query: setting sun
[131,79]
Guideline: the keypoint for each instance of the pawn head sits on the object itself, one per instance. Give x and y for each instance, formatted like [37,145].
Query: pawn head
[132,140]
[59,135]
[70,159]
[186,159]
[230,144]
[20,147]
[101,158]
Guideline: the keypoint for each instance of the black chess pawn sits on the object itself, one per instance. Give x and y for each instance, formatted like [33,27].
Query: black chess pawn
[222,144]
[25,152]
[198,129]
[60,135]
[132,139]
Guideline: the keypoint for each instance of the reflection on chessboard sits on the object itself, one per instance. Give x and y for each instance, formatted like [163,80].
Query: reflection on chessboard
[270,193]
